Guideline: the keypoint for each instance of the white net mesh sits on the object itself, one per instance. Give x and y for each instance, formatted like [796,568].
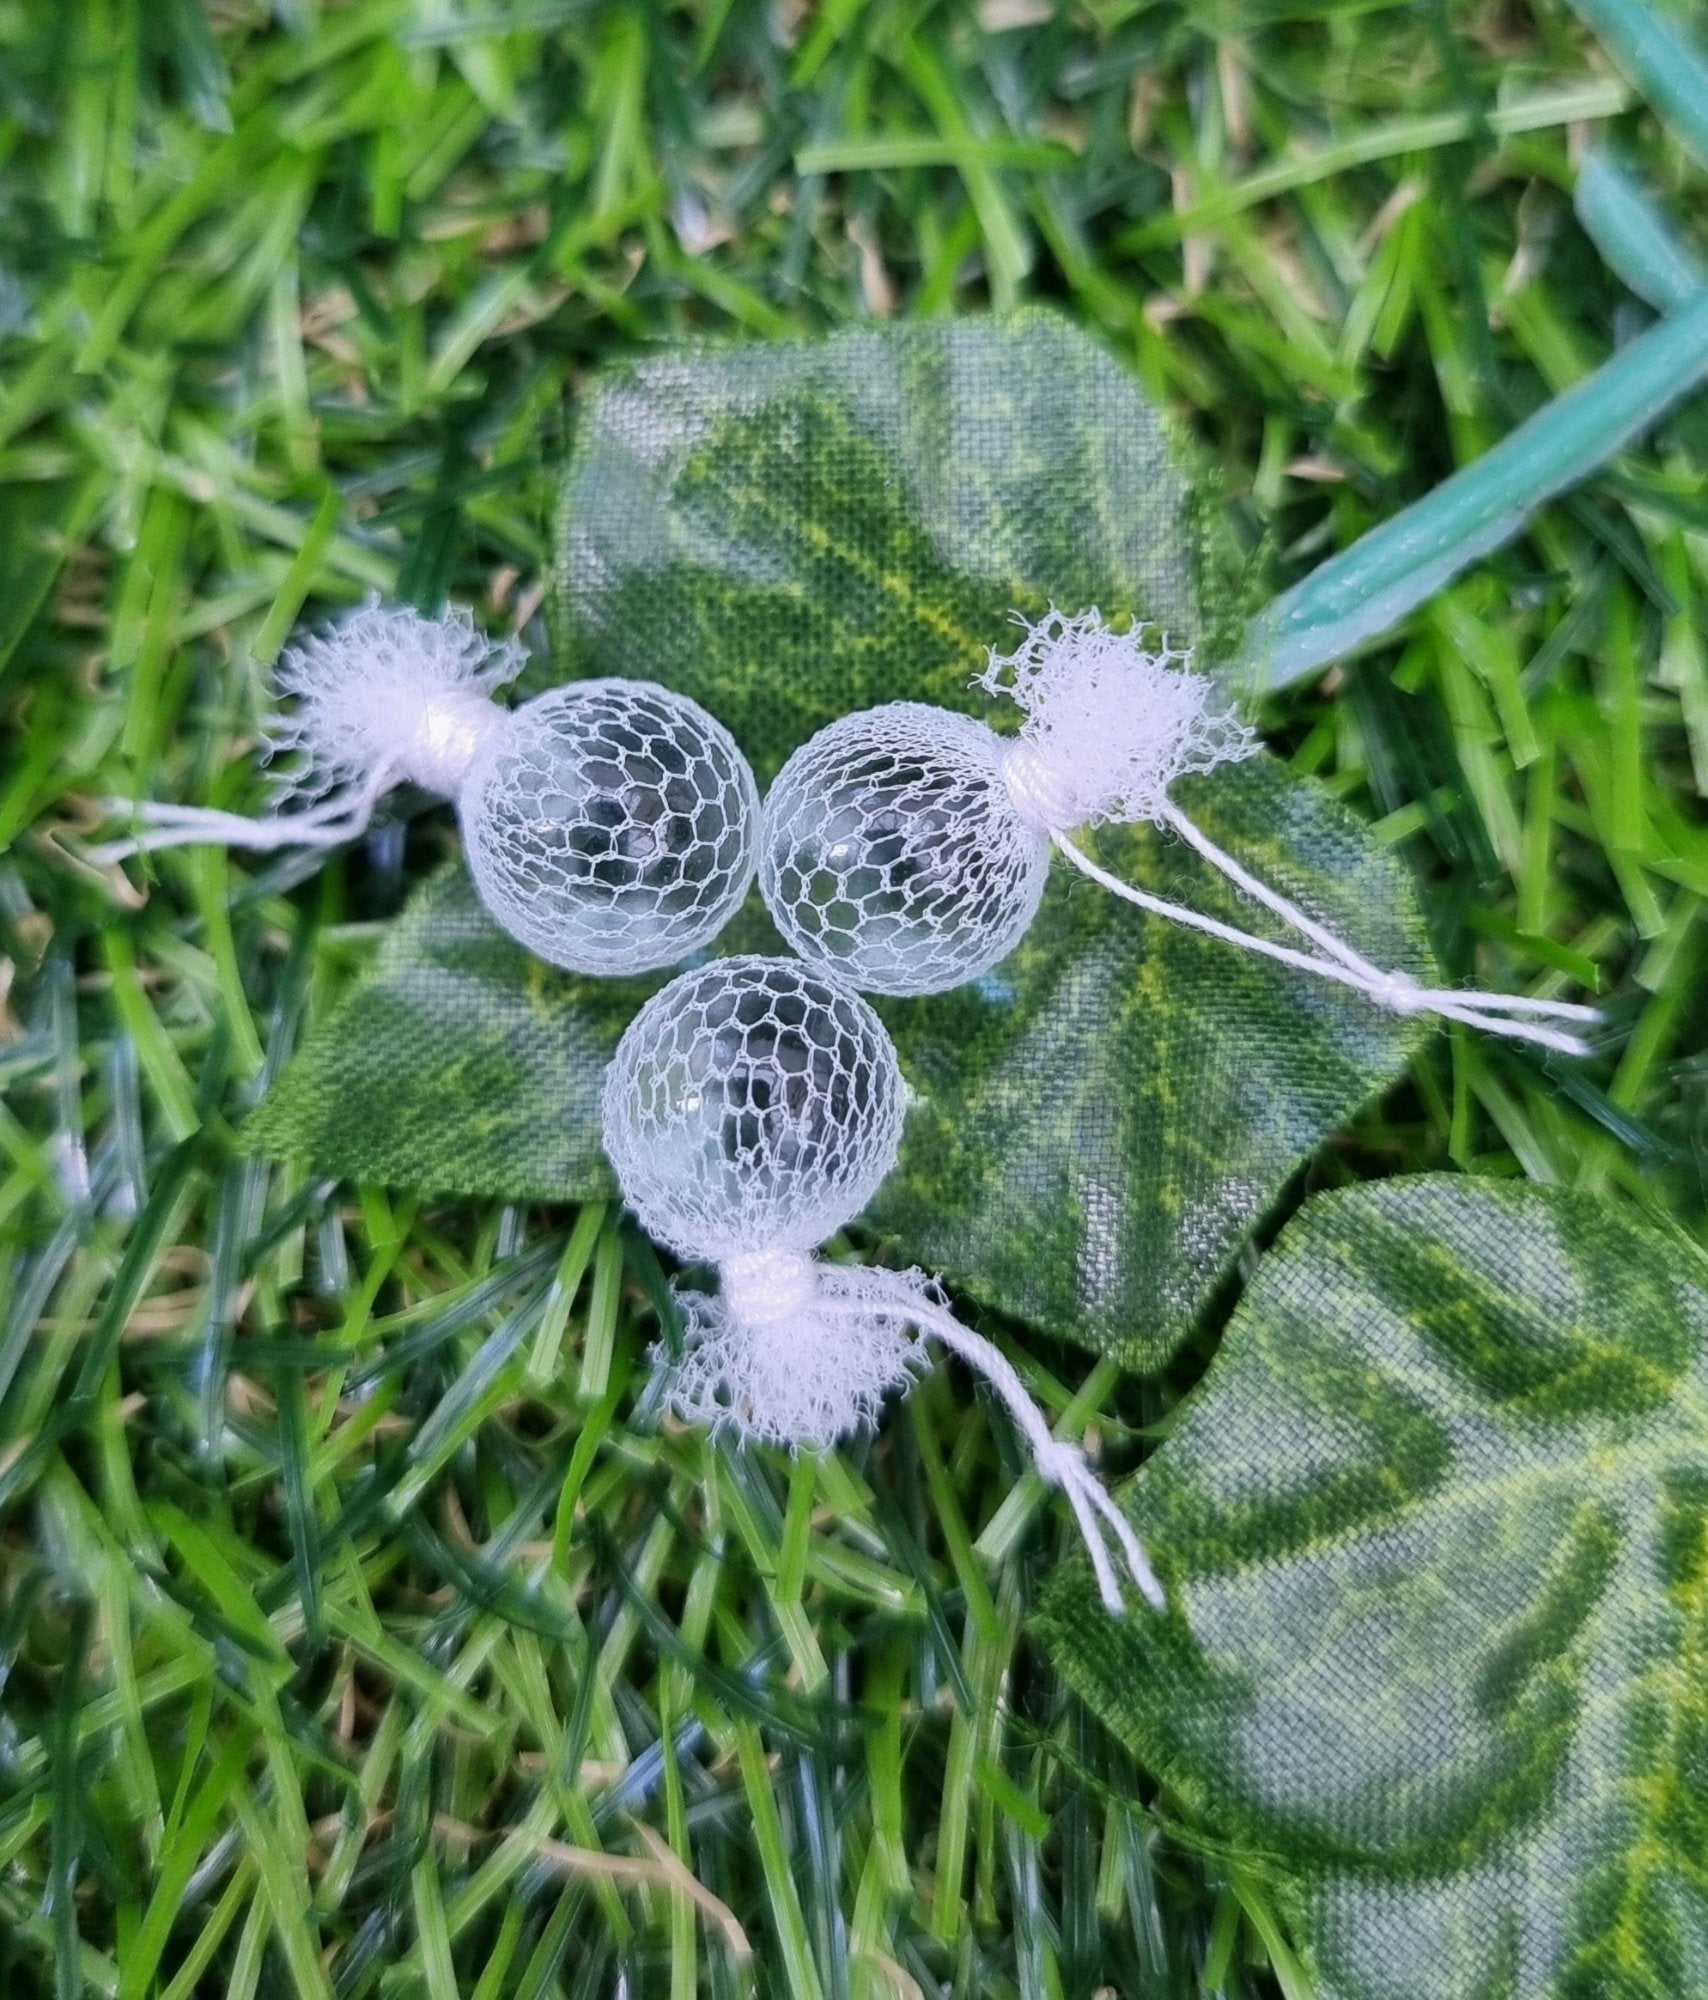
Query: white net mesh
[1110,725]
[375,687]
[752,1105]
[891,850]
[805,1379]
[612,826]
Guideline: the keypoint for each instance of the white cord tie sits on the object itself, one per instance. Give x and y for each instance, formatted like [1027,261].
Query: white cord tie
[1400,994]
[444,740]
[1041,785]
[1060,1463]
[1111,725]
[764,1287]
[1339,962]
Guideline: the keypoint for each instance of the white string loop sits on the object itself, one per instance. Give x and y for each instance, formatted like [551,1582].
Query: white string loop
[1110,725]
[1396,991]
[1058,1462]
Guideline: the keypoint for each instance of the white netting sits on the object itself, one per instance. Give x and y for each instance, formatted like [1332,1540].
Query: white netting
[891,850]
[387,691]
[612,826]
[1109,724]
[807,1376]
[752,1104]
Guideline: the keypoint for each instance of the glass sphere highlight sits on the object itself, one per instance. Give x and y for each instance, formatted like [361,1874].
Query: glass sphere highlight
[611,826]
[891,850]
[752,1105]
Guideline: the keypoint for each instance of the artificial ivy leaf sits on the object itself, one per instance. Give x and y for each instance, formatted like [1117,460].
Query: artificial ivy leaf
[788,533]
[460,1064]
[1435,1536]
[792,531]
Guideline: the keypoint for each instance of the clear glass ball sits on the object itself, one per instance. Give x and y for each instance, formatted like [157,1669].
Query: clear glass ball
[891,850]
[611,826]
[753,1104]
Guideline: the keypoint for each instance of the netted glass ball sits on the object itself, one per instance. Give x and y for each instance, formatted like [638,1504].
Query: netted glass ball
[611,826]
[753,1104]
[891,850]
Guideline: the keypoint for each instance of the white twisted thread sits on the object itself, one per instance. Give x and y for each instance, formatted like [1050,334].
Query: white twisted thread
[436,753]
[1041,787]
[767,1287]
[798,1352]
[1398,992]
[772,1359]
[1058,1462]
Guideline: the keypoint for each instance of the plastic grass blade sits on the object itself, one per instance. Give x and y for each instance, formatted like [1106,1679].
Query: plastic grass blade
[1626,225]
[1361,593]
[1666,67]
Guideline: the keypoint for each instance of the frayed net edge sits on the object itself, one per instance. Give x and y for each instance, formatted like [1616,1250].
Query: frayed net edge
[1063,657]
[801,1384]
[413,654]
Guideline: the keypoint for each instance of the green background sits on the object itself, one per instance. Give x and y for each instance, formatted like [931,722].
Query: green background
[361,1630]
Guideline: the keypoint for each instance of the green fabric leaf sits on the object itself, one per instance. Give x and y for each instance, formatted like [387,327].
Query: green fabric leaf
[791,532]
[459,1065]
[1435,1537]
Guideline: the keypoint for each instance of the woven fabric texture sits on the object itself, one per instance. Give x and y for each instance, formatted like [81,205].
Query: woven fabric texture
[1434,1532]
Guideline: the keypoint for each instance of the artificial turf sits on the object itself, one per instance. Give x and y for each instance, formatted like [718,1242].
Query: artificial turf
[351,1639]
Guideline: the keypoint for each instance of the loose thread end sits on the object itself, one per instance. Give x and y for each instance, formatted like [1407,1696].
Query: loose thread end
[1058,1463]
[1064,1465]
[342,817]
[1513,1017]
